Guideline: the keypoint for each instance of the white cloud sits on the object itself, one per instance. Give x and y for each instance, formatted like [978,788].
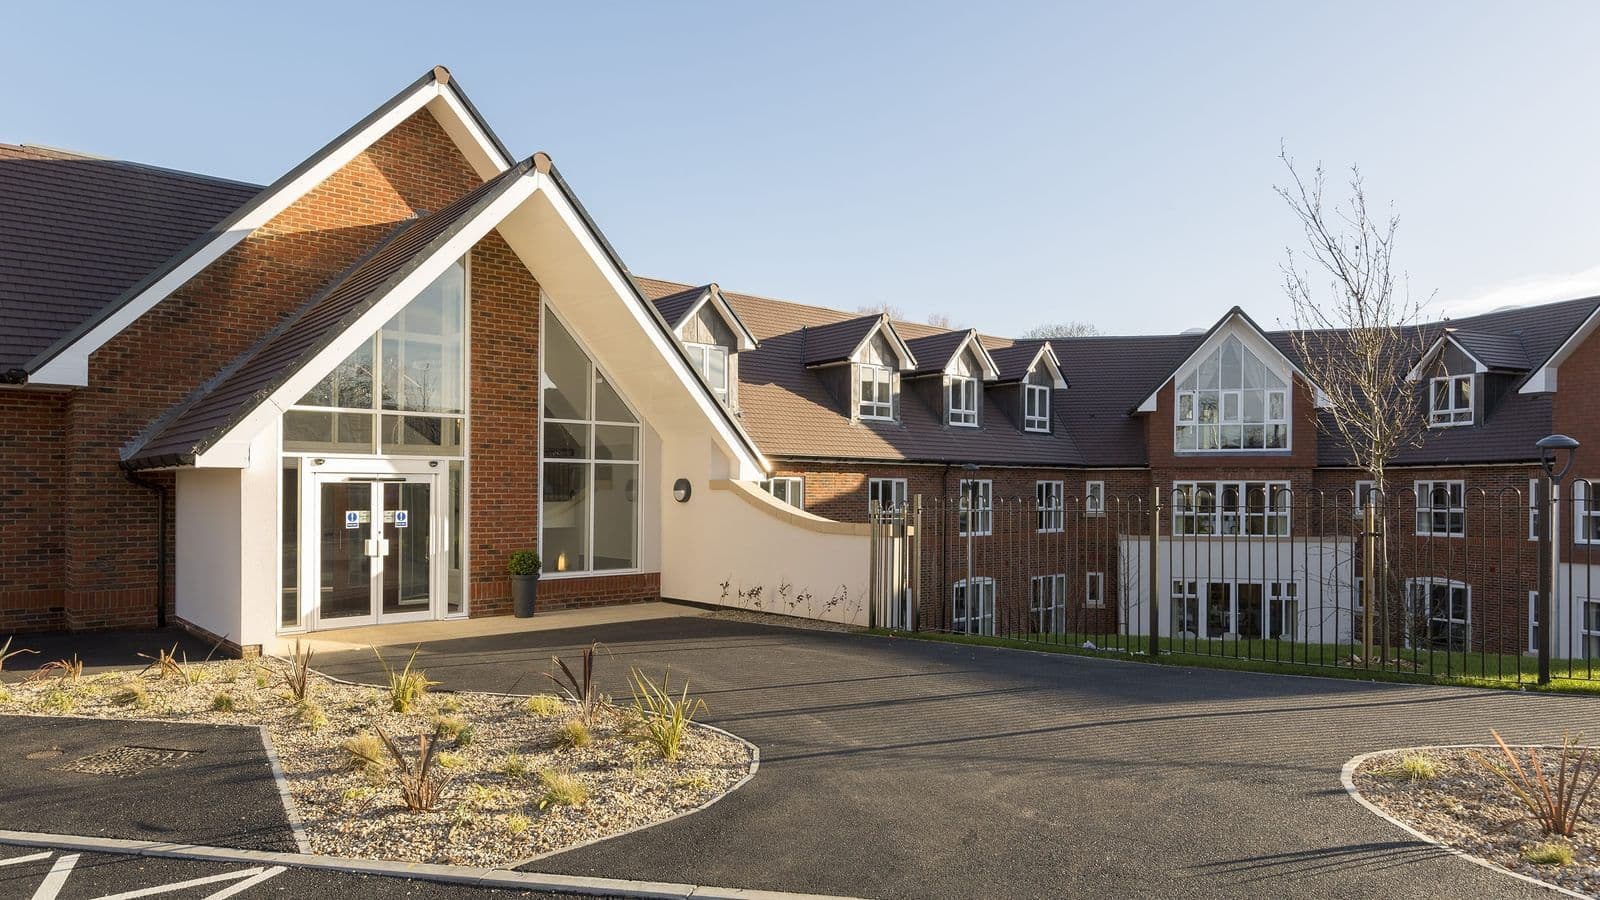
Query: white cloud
[1522,292]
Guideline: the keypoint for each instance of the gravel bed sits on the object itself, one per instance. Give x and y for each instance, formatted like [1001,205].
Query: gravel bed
[1467,807]
[494,811]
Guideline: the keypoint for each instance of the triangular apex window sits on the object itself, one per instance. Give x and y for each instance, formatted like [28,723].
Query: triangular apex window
[1232,401]
[403,391]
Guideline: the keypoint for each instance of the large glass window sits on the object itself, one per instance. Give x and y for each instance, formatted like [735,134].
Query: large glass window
[1257,508]
[1232,401]
[401,392]
[589,515]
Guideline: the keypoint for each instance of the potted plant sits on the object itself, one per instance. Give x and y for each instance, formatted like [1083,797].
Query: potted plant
[524,570]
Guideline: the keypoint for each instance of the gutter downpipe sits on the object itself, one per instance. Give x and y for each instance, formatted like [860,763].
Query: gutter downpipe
[160,492]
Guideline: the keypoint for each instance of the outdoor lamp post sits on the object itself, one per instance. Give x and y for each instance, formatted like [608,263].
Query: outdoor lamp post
[1555,469]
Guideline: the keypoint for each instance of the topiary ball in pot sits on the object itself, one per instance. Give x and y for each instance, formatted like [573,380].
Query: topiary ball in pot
[524,567]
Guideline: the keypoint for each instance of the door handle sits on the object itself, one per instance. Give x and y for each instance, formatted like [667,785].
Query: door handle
[377,547]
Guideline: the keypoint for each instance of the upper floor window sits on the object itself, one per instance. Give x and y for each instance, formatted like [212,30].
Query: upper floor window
[1232,401]
[1586,509]
[1442,508]
[1052,507]
[1036,408]
[961,400]
[789,489]
[1364,497]
[888,493]
[1230,507]
[977,507]
[711,361]
[1450,401]
[877,392]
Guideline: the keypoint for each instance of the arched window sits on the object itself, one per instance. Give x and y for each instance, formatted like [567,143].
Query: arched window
[1232,401]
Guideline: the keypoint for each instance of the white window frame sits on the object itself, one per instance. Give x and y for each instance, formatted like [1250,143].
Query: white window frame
[895,488]
[1094,498]
[1454,514]
[1047,597]
[1585,512]
[1451,415]
[965,389]
[790,489]
[875,409]
[1589,635]
[982,511]
[1187,594]
[1533,511]
[986,602]
[1050,504]
[1451,585]
[1276,519]
[700,355]
[1036,407]
[1363,493]
[1188,421]
[1094,590]
[1533,621]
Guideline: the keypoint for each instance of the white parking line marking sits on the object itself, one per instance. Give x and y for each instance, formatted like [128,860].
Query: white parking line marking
[31,857]
[193,882]
[240,887]
[57,876]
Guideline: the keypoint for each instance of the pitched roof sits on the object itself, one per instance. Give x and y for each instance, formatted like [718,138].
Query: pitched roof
[1502,352]
[677,307]
[674,307]
[836,342]
[77,231]
[935,352]
[220,403]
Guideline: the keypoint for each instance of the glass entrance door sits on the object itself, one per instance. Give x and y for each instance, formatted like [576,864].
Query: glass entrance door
[375,549]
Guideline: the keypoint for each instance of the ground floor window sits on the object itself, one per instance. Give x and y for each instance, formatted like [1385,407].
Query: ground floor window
[1441,508]
[888,493]
[789,489]
[1186,608]
[1094,498]
[1048,603]
[1253,508]
[1246,609]
[289,510]
[1439,614]
[1051,505]
[1591,629]
[973,606]
[1094,589]
[977,507]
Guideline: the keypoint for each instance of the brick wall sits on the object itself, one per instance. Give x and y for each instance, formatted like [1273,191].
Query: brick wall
[32,540]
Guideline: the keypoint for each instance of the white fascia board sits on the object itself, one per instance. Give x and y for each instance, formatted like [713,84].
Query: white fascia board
[70,367]
[1047,355]
[1251,337]
[463,128]
[1543,379]
[232,449]
[908,360]
[991,371]
[746,340]
[751,463]
[1433,352]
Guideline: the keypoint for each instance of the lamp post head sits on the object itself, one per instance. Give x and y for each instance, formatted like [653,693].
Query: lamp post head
[1550,448]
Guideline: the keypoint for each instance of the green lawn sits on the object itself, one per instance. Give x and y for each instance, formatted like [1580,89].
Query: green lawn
[1285,657]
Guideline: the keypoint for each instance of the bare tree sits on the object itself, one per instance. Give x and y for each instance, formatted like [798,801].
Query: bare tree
[885,307]
[1062,329]
[939,320]
[1355,330]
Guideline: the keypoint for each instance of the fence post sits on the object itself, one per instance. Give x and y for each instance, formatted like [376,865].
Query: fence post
[1369,557]
[914,562]
[1155,571]
[1545,503]
[874,563]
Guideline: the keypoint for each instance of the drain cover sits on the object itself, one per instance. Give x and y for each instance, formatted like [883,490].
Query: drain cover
[124,761]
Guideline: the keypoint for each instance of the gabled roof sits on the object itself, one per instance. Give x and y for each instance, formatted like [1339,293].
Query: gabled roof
[937,353]
[1503,353]
[1282,348]
[223,401]
[680,307]
[1019,360]
[65,360]
[840,342]
[1543,377]
[77,231]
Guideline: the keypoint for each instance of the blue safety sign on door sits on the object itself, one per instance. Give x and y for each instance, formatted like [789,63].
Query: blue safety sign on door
[401,519]
[352,518]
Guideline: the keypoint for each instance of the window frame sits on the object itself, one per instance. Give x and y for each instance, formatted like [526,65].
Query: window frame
[1056,609]
[1094,590]
[881,410]
[961,416]
[793,485]
[699,354]
[1589,643]
[1094,498]
[897,487]
[1032,419]
[1585,512]
[986,610]
[1191,419]
[1450,416]
[1452,513]
[1450,585]
[1242,514]
[1051,516]
[983,511]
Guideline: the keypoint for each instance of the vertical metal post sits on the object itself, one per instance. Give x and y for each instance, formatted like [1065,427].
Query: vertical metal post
[874,565]
[1545,503]
[914,562]
[972,525]
[1155,571]
[1369,566]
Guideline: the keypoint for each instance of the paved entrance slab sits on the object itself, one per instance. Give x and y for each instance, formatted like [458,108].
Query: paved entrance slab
[896,768]
[203,784]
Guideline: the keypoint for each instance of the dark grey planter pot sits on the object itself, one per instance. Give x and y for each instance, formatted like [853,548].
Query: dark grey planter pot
[524,595]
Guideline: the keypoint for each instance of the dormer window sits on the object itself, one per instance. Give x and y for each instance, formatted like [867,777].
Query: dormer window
[961,401]
[877,392]
[711,361]
[1232,401]
[1036,407]
[1450,401]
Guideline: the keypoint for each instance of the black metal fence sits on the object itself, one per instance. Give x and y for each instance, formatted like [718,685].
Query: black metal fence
[1256,571]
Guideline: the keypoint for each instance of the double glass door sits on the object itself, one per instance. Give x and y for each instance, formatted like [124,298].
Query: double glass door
[375,549]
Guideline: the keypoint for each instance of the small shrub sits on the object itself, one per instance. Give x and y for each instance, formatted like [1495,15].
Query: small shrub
[296,675]
[222,702]
[484,796]
[1557,809]
[467,736]
[420,788]
[7,654]
[524,562]
[572,734]
[366,752]
[579,688]
[449,705]
[132,694]
[544,706]
[517,824]
[5,695]
[57,701]
[664,718]
[450,760]
[1411,767]
[359,794]
[408,686]
[449,727]
[514,766]
[560,789]
[1550,853]
[311,715]
[695,782]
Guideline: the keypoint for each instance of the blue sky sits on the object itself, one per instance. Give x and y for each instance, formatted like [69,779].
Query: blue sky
[1005,164]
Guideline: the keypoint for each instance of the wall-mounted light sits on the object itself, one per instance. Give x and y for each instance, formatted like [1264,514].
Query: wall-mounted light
[318,461]
[681,490]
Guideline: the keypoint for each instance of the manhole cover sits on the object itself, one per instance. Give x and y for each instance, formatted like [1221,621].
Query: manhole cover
[51,753]
[124,761]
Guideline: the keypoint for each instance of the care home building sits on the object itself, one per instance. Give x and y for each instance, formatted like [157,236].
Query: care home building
[346,397]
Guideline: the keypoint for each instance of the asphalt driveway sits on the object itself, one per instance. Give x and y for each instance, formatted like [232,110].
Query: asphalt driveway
[895,768]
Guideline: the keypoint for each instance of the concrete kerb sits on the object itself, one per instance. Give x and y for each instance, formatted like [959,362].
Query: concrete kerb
[463,875]
[1347,776]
